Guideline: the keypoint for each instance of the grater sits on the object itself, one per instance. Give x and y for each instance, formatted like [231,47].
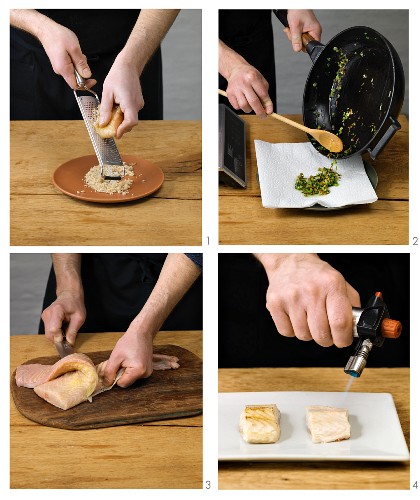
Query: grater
[105,149]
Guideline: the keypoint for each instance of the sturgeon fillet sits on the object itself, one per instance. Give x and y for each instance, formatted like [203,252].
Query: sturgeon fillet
[75,379]
[327,424]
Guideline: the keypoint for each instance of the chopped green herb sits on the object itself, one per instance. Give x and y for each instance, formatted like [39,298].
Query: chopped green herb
[320,182]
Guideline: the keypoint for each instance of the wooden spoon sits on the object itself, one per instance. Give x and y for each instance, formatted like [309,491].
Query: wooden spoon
[327,139]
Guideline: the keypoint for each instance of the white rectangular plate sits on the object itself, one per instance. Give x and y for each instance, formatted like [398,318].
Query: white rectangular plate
[376,432]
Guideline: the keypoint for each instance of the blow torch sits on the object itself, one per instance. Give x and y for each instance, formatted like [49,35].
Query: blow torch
[372,325]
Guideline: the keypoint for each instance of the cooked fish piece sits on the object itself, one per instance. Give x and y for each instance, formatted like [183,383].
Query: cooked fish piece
[75,379]
[260,423]
[327,424]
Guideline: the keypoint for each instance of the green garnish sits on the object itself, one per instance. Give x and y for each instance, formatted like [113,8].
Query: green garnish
[320,182]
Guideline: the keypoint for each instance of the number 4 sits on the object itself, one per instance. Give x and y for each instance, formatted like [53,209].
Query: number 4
[415,485]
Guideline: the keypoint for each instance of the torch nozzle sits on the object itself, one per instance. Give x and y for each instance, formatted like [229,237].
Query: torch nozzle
[356,364]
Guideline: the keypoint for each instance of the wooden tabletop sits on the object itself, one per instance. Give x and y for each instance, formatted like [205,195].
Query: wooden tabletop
[166,454]
[318,475]
[243,220]
[42,215]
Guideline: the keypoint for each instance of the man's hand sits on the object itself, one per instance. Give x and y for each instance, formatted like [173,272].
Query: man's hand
[309,299]
[64,52]
[68,308]
[301,21]
[247,88]
[60,44]
[122,86]
[134,352]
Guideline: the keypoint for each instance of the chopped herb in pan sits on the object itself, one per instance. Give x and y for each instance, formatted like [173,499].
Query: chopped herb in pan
[341,71]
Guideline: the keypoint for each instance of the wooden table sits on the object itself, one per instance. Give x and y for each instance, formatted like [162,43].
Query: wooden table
[318,475]
[42,215]
[166,454]
[243,220]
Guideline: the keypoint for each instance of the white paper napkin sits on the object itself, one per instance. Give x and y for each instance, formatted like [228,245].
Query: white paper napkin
[280,164]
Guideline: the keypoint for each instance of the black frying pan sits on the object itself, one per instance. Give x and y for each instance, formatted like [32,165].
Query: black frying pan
[355,89]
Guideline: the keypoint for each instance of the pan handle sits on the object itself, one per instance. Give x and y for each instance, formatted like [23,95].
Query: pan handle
[383,141]
[312,46]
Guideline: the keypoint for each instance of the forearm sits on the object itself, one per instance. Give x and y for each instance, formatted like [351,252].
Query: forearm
[228,59]
[67,268]
[177,276]
[272,261]
[29,20]
[148,32]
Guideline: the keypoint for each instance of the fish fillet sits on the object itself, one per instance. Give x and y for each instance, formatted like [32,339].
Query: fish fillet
[75,378]
[260,424]
[327,424]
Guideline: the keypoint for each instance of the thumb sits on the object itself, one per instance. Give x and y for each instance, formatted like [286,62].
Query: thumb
[296,37]
[112,366]
[80,62]
[128,378]
[106,108]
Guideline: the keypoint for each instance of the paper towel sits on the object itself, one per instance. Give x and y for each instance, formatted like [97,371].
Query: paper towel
[280,164]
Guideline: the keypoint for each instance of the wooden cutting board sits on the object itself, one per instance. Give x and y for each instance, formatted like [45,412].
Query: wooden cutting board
[166,394]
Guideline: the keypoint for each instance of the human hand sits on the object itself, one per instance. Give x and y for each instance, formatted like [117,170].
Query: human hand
[301,21]
[63,50]
[134,352]
[247,88]
[309,299]
[68,308]
[122,86]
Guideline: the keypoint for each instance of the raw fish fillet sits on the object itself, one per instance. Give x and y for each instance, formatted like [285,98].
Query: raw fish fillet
[75,378]
[327,424]
[260,424]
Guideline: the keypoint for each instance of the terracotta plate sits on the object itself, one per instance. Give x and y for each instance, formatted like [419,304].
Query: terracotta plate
[68,178]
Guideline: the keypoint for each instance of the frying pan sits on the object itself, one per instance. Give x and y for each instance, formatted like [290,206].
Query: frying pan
[354,89]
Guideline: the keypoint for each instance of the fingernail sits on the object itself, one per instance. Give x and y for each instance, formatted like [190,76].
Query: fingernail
[86,73]
[297,47]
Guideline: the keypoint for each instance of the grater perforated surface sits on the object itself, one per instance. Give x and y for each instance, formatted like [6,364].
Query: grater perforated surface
[105,149]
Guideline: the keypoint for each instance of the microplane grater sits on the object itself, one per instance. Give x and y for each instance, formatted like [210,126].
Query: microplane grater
[105,149]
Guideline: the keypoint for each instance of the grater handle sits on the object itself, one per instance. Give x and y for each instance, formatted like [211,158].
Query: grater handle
[81,82]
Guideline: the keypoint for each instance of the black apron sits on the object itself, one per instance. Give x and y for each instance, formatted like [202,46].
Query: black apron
[248,336]
[116,287]
[250,34]
[37,93]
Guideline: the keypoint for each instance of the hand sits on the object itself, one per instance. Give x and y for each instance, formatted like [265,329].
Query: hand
[134,352]
[248,90]
[64,52]
[301,21]
[122,86]
[68,308]
[309,299]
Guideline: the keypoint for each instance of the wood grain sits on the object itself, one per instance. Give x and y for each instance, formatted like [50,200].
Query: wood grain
[165,395]
[42,215]
[166,454]
[243,220]
[318,475]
